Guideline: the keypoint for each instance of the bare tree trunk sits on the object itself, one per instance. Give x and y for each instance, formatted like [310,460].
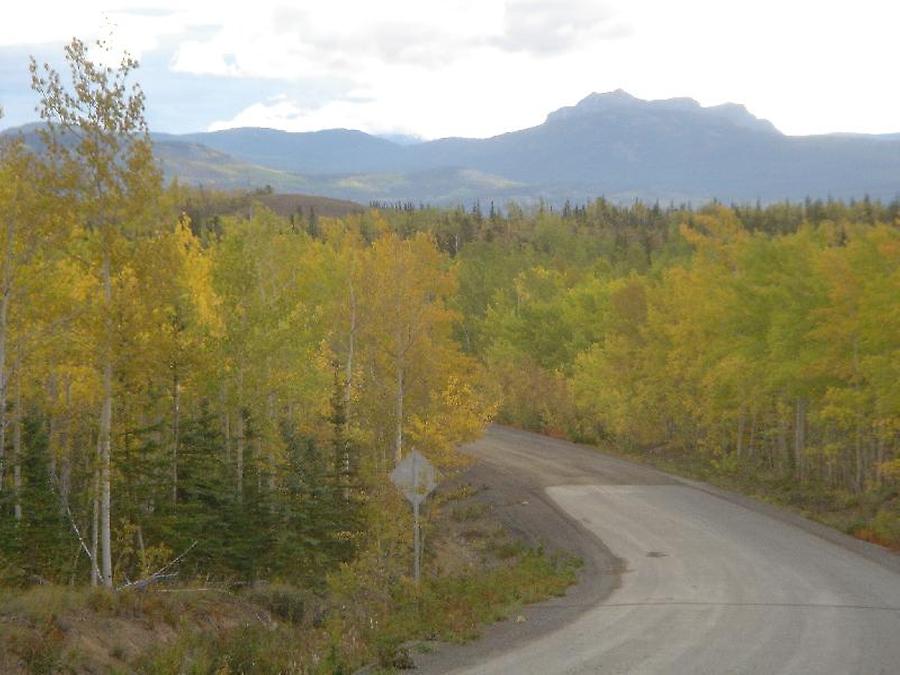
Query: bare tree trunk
[17,444]
[105,440]
[95,522]
[398,440]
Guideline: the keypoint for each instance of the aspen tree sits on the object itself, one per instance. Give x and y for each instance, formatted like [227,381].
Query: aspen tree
[98,140]
[406,298]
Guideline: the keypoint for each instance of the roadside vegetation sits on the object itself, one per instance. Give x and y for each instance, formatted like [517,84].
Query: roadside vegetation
[365,613]
[201,399]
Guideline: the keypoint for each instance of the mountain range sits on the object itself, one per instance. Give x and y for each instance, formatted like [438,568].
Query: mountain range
[610,144]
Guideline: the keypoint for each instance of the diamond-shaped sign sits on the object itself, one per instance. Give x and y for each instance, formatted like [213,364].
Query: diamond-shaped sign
[415,477]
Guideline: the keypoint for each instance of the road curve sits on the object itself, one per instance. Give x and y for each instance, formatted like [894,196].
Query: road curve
[679,577]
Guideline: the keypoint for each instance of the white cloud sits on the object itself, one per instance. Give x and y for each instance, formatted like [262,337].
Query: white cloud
[545,27]
[478,67]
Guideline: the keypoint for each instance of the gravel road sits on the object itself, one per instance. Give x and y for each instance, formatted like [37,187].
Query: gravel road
[679,577]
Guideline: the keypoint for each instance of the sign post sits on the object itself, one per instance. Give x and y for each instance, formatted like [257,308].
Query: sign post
[415,477]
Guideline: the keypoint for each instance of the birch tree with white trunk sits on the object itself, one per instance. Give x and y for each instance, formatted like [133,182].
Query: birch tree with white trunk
[98,143]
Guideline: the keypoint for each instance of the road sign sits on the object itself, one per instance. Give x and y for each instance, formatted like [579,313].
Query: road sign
[416,479]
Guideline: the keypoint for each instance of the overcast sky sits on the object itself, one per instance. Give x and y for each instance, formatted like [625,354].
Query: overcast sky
[438,68]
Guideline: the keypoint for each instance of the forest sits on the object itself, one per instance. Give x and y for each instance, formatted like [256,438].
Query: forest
[187,376]
[755,345]
[167,384]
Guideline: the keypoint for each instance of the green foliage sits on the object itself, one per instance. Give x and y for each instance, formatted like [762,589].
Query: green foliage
[758,340]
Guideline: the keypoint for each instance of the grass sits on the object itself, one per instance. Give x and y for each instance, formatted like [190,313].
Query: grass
[361,618]
[52,629]
[466,512]
[454,609]
[244,649]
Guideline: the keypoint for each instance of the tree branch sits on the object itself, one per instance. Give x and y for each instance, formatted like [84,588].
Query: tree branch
[158,575]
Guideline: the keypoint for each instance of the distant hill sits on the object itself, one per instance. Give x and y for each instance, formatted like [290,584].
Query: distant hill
[320,152]
[306,205]
[610,144]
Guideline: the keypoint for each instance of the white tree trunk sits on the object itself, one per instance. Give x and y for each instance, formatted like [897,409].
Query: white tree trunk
[17,445]
[105,440]
[95,522]
[398,439]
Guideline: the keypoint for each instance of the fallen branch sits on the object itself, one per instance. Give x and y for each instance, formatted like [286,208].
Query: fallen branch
[141,584]
[158,575]
[191,590]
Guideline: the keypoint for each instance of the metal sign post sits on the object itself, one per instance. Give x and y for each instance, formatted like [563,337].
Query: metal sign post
[415,477]
[416,548]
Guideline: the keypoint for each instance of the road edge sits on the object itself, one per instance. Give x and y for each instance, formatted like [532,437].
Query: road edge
[873,552]
[596,579]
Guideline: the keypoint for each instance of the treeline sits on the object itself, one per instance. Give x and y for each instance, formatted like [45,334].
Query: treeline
[762,341]
[237,389]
